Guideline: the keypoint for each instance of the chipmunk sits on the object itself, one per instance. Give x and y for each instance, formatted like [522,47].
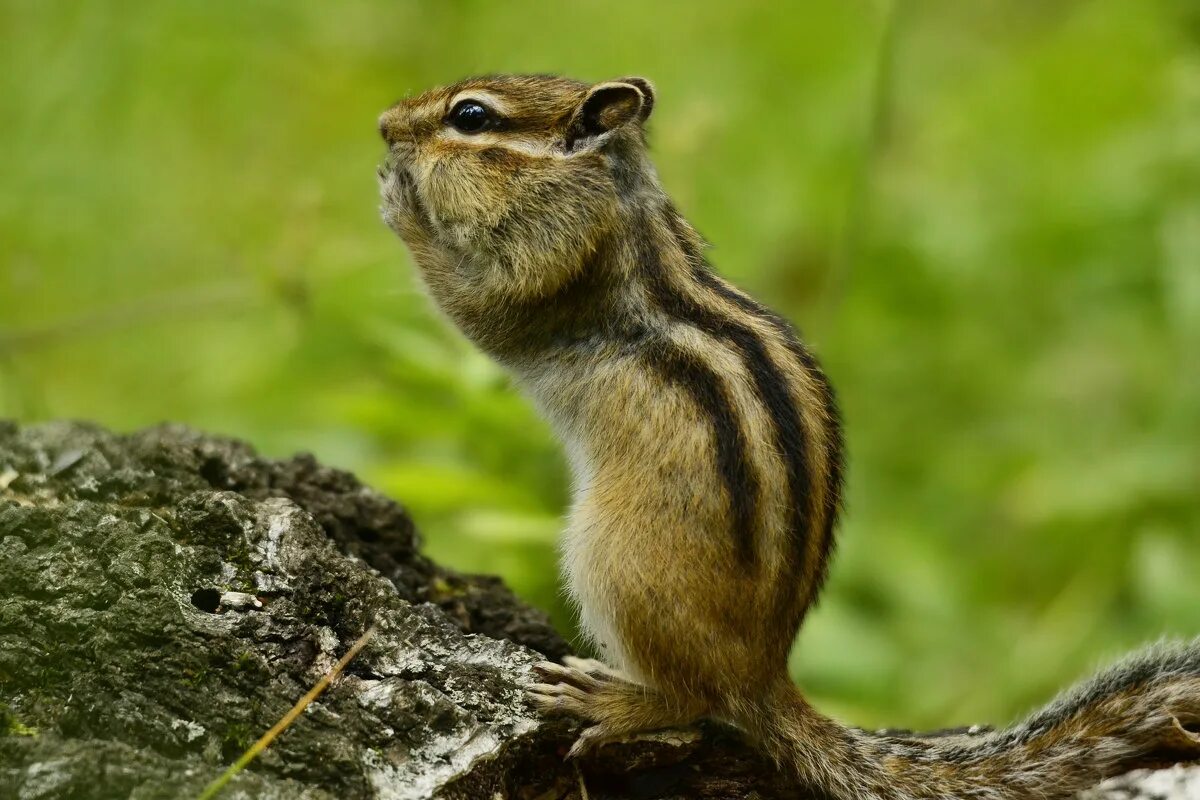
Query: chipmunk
[705,446]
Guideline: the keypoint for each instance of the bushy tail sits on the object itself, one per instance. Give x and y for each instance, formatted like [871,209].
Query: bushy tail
[1145,711]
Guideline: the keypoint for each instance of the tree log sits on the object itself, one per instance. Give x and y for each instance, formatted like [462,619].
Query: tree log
[167,597]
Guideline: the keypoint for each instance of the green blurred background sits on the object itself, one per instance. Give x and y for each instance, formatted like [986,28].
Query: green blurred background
[984,215]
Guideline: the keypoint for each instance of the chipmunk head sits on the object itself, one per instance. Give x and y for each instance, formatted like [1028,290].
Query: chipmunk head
[505,187]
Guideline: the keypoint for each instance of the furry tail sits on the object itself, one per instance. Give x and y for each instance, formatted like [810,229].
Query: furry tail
[1143,711]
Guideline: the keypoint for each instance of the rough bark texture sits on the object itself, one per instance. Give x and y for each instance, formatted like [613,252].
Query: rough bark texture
[167,596]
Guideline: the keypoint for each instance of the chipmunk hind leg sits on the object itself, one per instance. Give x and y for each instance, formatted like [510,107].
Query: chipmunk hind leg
[681,678]
[617,707]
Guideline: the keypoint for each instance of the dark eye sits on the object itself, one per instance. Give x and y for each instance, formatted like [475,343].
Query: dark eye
[469,116]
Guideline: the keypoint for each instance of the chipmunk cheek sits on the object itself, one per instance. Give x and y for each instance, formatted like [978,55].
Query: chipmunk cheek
[458,197]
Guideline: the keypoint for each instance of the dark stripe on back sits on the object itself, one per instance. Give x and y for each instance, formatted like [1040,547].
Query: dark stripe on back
[684,369]
[833,495]
[791,434]
[770,385]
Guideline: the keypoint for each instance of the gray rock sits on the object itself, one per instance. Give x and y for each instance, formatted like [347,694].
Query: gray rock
[167,597]
[1174,783]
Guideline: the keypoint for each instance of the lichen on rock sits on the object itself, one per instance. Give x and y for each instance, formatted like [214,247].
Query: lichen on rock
[168,596]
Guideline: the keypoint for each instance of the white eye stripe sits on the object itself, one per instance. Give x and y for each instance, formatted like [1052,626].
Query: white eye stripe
[517,144]
[529,147]
[483,97]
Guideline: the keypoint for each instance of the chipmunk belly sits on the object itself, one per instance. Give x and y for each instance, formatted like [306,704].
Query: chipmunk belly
[589,583]
[652,525]
[685,611]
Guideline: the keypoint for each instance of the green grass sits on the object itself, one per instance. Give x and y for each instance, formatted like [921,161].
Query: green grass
[991,235]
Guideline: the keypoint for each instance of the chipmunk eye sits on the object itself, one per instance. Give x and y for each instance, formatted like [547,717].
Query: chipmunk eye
[469,116]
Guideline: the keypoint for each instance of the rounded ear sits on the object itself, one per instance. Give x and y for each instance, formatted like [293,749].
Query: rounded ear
[647,89]
[610,105]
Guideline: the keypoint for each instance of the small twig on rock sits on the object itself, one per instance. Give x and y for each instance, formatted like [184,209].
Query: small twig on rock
[213,788]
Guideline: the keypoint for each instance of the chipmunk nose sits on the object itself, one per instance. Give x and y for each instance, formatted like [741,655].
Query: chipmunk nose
[391,125]
[385,127]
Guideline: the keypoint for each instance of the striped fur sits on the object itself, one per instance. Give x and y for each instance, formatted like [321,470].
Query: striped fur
[684,369]
[705,445]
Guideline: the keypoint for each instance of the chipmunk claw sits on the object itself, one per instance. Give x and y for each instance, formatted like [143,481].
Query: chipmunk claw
[589,740]
[593,667]
[565,674]
[586,673]
[558,699]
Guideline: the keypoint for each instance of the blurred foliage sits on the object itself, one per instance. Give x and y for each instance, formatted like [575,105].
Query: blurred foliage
[986,217]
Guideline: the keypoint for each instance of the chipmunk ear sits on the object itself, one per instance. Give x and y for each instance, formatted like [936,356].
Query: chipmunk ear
[610,105]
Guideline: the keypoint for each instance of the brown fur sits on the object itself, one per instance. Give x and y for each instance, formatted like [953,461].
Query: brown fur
[705,446]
